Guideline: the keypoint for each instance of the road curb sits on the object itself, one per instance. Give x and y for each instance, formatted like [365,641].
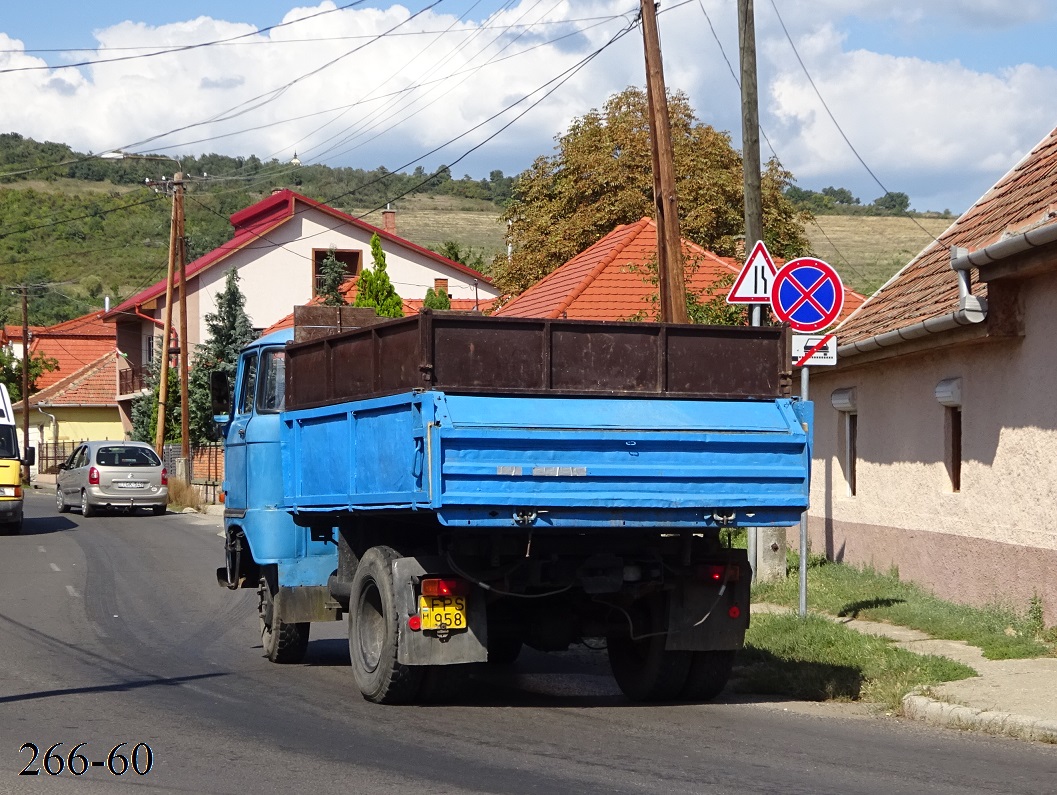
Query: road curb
[941,713]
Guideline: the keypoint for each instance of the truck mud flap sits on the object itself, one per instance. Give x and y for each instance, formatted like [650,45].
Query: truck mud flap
[423,648]
[305,603]
[701,618]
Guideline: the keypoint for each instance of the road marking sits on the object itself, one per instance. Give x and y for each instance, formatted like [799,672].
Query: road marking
[41,549]
[54,567]
[72,592]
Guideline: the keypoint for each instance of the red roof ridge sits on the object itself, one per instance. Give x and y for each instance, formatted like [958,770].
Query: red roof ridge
[637,227]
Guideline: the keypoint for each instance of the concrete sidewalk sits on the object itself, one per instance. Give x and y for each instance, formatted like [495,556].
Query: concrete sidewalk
[1016,698]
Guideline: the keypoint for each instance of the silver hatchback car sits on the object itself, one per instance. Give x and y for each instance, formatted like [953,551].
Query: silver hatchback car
[112,475]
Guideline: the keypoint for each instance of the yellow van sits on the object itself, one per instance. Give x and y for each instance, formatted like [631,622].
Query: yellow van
[10,467]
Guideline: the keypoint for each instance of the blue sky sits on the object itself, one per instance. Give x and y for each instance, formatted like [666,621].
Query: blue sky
[939,99]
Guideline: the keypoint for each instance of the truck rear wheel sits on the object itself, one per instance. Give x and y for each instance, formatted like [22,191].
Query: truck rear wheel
[373,637]
[709,672]
[644,669]
[283,643]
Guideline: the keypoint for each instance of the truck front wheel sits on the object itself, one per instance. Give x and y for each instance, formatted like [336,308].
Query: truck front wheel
[373,636]
[643,668]
[283,642]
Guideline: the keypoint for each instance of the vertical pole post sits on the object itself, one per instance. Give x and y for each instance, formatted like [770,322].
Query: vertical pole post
[670,281]
[25,382]
[163,383]
[185,436]
[804,384]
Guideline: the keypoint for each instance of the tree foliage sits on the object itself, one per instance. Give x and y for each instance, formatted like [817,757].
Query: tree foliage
[145,407]
[11,371]
[331,277]
[373,287]
[602,176]
[228,331]
[435,300]
[708,306]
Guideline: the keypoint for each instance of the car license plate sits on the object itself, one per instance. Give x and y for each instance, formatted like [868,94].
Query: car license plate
[442,612]
[129,484]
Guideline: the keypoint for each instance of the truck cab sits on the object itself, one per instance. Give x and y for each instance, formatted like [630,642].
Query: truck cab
[11,461]
[264,549]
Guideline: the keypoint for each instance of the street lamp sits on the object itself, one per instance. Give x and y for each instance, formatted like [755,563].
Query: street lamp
[177,265]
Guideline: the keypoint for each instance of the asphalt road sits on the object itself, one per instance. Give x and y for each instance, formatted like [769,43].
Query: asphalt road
[113,630]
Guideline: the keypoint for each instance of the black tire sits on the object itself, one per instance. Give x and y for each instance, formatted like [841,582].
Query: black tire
[644,669]
[709,673]
[283,643]
[87,509]
[60,501]
[373,643]
[503,650]
[158,510]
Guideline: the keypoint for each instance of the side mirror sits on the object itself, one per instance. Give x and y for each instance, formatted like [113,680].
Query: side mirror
[219,396]
[31,456]
[62,466]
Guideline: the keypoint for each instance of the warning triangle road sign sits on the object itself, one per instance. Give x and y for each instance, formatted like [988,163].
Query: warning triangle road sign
[753,285]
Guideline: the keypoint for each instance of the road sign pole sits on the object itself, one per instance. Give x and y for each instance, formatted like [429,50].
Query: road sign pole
[804,384]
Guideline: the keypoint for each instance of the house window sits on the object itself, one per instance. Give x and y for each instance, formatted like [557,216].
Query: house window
[352,261]
[949,395]
[844,401]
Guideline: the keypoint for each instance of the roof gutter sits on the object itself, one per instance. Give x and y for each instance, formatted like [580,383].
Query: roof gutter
[971,309]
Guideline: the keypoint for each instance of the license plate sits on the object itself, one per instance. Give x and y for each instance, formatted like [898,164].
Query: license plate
[442,612]
[129,484]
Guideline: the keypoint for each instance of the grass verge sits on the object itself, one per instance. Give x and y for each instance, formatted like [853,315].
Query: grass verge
[183,495]
[999,631]
[816,659]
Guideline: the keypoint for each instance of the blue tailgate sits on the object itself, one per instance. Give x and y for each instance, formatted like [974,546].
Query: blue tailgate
[553,461]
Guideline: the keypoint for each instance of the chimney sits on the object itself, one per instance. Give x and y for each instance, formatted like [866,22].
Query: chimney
[276,190]
[389,220]
[440,286]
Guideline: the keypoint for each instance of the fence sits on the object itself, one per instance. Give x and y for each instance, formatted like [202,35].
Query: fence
[51,454]
[206,465]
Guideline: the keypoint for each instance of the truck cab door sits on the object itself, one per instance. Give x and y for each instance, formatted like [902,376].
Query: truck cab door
[235,458]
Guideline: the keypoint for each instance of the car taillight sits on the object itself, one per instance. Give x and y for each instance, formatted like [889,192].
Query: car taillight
[164,476]
[18,492]
[93,476]
[449,587]
[718,572]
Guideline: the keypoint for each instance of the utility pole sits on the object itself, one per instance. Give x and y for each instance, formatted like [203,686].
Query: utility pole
[670,283]
[163,382]
[25,383]
[766,544]
[185,435]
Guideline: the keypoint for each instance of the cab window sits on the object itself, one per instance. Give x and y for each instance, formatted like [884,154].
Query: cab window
[272,394]
[248,384]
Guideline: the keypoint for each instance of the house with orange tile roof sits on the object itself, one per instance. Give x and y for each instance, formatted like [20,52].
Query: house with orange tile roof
[936,431]
[278,247]
[610,280]
[78,406]
[73,344]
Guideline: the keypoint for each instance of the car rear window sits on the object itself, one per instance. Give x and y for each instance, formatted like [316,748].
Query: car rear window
[126,457]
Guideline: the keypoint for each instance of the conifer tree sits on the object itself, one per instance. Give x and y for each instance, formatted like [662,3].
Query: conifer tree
[331,277]
[373,288]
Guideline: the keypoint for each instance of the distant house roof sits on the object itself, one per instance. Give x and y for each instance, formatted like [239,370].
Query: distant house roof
[93,385]
[256,221]
[927,287]
[74,344]
[607,281]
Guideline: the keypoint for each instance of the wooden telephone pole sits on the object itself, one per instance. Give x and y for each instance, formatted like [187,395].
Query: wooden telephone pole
[25,383]
[670,283]
[175,266]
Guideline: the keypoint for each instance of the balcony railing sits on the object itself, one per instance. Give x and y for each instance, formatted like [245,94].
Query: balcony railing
[131,380]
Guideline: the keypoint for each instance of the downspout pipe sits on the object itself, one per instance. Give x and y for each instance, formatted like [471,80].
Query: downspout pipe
[54,424]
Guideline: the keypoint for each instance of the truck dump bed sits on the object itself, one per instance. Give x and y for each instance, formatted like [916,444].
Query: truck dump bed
[547,424]
[469,353]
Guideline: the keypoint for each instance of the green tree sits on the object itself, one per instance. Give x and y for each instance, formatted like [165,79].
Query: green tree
[332,275]
[373,287]
[602,176]
[435,300]
[708,306]
[228,331]
[11,371]
[894,203]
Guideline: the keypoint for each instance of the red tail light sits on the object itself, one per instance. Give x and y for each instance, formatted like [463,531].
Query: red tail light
[18,492]
[451,587]
[165,477]
[93,476]
[718,572]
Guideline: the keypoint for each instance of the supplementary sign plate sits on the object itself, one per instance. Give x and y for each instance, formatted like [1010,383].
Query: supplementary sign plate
[814,349]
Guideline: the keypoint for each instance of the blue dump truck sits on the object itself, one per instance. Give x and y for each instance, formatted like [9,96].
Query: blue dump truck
[462,486]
